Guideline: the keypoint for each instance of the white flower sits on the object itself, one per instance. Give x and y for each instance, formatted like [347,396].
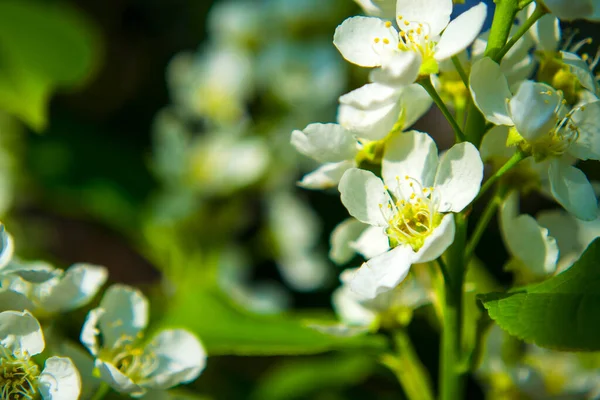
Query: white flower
[417,49]
[570,10]
[530,245]
[20,376]
[113,333]
[413,208]
[66,291]
[543,127]
[378,8]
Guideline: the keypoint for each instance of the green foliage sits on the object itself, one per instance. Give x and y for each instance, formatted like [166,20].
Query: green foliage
[561,313]
[43,47]
[227,329]
[300,379]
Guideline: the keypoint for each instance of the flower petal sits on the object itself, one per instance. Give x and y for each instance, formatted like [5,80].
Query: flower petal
[117,380]
[545,31]
[13,300]
[326,176]
[398,70]
[6,246]
[526,240]
[348,307]
[355,39]
[490,91]
[458,177]
[341,239]
[362,193]
[414,103]
[570,10]
[382,273]
[571,188]
[434,13]
[180,358]
[581,70]
[75,288]
[21,332]
[438,241]
[461,32]
[59,380]
[587,145]
[326,143]
[413,154]
[493,144]
[533,109]
[372,242]
[125,314]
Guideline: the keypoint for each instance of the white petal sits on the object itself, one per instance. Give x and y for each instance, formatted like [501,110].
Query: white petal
[587,145]
[413,154]
[326,176]
[461,32]
[490,91]
[526,240]
[570,10]
[382,273]
[34,272]
[304,271]
[362,193]
[90,332]
[414,103]
[180,358]
[458,177]
[572,190]
[117,380]
[12,300]
[372,242]
[326,143]
[435,13]
[125,313]
[21,332]
[6,246]
[76,287]
[581,70]
[532,109]
[341,238]
[398,70]
[371,96]
[493,144]
[545,31]
[355,39]
[350,310]
[59,380]
[440,239]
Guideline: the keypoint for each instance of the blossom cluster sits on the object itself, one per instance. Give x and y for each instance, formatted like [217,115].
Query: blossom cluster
[34,296]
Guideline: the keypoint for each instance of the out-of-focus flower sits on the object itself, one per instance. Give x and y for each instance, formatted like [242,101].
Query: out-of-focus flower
[22,338]
[570,10]
[413,208]
[113,333]
[66,291]
[426,37]
[543,127]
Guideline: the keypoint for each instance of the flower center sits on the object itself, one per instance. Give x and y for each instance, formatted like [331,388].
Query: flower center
[411,214]
[416,36]
[18,375]
[130,358]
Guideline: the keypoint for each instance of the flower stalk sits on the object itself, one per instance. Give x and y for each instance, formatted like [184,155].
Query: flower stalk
[426,84]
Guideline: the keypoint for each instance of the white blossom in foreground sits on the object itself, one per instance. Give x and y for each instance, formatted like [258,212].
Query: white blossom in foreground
[543,126]
[570,10]
[426,36]
[412,208]
[66,291]
[113,333]
[20,377]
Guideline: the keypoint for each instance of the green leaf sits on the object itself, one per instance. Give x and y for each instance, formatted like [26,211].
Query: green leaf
[301,378]
[226,329]
[43,47]
[560,313]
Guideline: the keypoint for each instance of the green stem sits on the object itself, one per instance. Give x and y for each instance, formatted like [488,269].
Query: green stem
[504,17]
[451,357]
[539,12]
[484,220]
[514,160]
[426,84]
[444,269]
[461,71]
[102,391]
[408,368]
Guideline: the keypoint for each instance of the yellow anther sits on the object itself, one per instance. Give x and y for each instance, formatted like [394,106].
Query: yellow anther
[406,23]
[380,205]
[376,40]
[585,56]
[386,187]
[406,177]
[426,37]
[419,30]
[388,24]
[412,196]
[386,41]
[582,108]
[399,17]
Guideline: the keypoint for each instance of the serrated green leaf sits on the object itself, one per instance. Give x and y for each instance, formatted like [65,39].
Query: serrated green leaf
[226,329]
[560,313]
[43,47]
